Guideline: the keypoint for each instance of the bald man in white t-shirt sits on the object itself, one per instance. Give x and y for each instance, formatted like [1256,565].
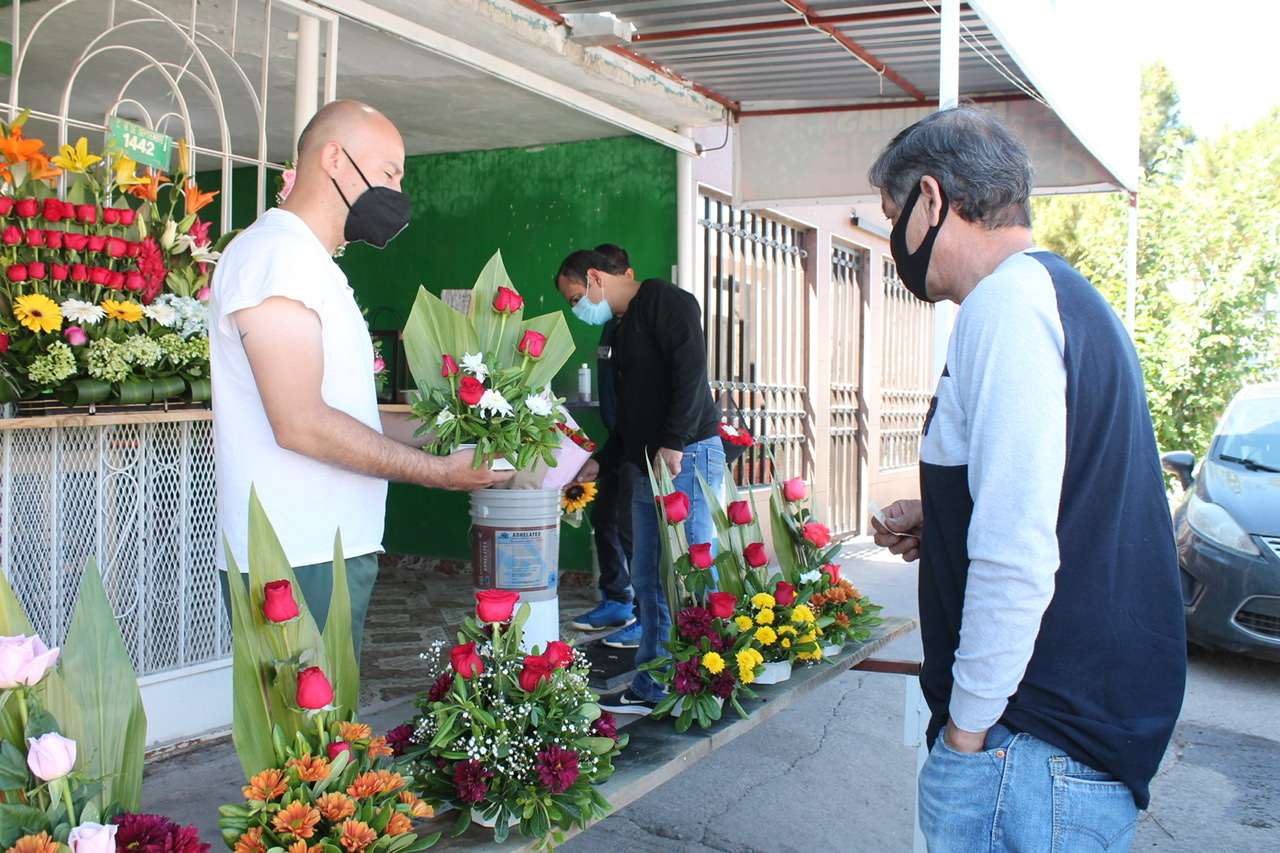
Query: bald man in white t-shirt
[295,405]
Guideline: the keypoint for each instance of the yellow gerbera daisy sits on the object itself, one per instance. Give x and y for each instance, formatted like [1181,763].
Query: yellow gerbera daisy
[761,600]
[577,496]
[38,312]
[713,663]
[128,311]
[77,159]
[765,617]
[744,623]
[765,636]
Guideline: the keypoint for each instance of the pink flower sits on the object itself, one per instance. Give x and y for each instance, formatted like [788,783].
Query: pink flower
[795,489]
[557,769]
[379,365]
[203,294]
[817,534]
[75,336]
[199,232]
[288,177]
[24,661]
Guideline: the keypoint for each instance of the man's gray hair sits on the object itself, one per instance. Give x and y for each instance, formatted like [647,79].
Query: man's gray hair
[982,167]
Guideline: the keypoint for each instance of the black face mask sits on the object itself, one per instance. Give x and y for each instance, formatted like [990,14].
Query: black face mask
[913,267]
[379,214]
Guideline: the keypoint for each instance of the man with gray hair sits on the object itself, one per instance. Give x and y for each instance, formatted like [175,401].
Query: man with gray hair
[1050,607]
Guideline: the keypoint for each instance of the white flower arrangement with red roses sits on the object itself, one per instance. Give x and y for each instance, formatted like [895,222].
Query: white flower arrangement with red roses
[484,378]
[510,738]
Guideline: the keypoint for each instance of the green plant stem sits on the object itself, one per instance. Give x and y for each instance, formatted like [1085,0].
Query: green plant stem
[22,709]
[65,785]
[320,730]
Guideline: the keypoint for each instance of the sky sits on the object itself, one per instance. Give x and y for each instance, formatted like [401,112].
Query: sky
[1223,61]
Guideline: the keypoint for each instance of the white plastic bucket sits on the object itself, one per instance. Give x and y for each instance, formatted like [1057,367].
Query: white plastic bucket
[775,672]
[515,545]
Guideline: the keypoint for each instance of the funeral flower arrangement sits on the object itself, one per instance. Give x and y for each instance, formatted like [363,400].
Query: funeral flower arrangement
[102,293]
[318,779]
[484,377]
[72,735]
[512,739]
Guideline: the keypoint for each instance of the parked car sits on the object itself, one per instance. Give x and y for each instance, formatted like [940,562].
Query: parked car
[1228,529]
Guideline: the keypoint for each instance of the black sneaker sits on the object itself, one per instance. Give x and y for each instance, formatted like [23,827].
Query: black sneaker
[627,702]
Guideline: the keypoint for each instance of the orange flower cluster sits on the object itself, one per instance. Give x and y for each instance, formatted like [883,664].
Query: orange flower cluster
[266,786]
[355,731]
[336,806]
[417,807]
[356,836]
[842,593]
[375,782]
[41,843]
[297,819]
[310,768]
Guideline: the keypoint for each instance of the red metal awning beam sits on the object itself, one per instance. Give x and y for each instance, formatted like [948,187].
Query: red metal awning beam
[879,105]
[788,24]
[812,19]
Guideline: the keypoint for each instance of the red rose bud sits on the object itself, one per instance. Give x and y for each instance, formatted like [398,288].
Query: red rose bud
[795,489]
[127,215]
[111,216]
[700,555]
[4,343]
[721,604]
[740,512]
[676,507]
[832,572]
[86,214]
[79,273]
[11,236]
[133,250]
[279,604]
[470,390]
[134,282]
[27,207]
[337,748]
[537,669]
[507,301]
[116,281]
[314,690]
[99,275]
[16,273]
[53,210]
[560,654]
[817,534]
[53,239]
[466,660]
[6,205]
[58,272]
[495,605]
[116,247]
[756,555]
[532,344]
[785,594]
[75,242]
[97,243]
[36,269]
[34,238]
[448,367]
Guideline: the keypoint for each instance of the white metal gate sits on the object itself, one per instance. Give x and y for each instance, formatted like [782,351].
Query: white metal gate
[848,426]
[906,377]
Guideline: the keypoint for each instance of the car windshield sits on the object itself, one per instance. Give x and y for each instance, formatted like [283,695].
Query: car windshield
[1251,431]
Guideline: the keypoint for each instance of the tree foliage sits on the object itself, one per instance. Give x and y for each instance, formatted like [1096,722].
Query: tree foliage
[1208,258]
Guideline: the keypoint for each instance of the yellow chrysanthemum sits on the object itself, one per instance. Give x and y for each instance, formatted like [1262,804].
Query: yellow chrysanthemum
[748,660]
[766,636]
[801,614]
[77,158]
[786,644]
[765,617]
[38,312]
[713,663]
[786,630]
[761,600]
[577,496]
[744,623]
[808,638]
[128,311]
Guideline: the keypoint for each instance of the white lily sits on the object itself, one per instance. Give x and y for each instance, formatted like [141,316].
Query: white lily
[202,254]
[475,366]
[810,577]
[170,236]
[493,403]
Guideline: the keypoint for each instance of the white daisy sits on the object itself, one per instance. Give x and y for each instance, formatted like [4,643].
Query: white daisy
[475,366]
[493,403]
[164,314]
[810,577]
[539,404]
[83,313]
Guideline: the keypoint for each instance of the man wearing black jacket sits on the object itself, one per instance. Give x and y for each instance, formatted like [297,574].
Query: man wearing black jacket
[666,416]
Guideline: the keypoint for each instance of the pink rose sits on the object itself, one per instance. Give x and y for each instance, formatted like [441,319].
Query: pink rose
[75,336]
[795,489]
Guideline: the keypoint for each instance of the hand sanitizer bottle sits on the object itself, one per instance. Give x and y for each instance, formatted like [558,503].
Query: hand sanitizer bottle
[584,383]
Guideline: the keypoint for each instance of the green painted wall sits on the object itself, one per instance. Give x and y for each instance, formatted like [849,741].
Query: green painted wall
[536,205]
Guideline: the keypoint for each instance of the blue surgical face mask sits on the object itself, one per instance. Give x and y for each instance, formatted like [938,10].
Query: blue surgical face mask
[593,313]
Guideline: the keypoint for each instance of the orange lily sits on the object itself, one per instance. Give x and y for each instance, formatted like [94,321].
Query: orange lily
[149,189]
[194,198]
[16,149]
[39,168]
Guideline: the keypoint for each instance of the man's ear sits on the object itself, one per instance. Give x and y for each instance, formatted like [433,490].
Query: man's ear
[931,195]
[631,273]
[330,157]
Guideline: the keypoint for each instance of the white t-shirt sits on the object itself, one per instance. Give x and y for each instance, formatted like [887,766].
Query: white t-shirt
[306,500]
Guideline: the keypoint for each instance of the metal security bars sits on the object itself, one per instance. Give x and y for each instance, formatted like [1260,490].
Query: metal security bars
[751,281]
[906,379]
[849,268]
[139,498]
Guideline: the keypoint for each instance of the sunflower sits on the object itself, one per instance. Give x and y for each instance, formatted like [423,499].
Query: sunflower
[577,496]
[38,312]
[128,311]
[77,158]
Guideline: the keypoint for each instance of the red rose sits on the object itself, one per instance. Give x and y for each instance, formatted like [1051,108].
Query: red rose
[127,215]
[36,269]
[79,273]
[27,207]
[133,250]
[337,748]
[756,555]
[532,343]
[507,301]
[86,214]
[12,235]
[97,243]
[448,367]
[6,205]
[466,660]
[314,689]
[58,272]
[495,605]
[785,594]
[116,247]
[34,238]
[279,604]
[134,282]
[537,669]
[116,280]
[833,572]
[99,275]
[16,273]
[470,390]
[740,512]
[53,239]
[795,489]
[676,506]
[111,216]
[560,654]
[4,343]
[53,210]
[817,534]
[700,555]
[75,242]
[721,604]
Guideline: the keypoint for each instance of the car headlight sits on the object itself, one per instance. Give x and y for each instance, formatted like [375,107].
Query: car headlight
[1214,523]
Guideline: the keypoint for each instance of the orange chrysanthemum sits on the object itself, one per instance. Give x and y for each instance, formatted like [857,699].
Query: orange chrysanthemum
[310,768]
[266,786]
[842,619]
[301,847]
[251,842]
[417,807]
[365,785]
[390,781]
[336,807]
[41,843]
[399,824]
[296,819]
[356,835]
[354,731]
[378,748]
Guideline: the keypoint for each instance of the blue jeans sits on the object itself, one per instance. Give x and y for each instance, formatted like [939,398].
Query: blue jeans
[1021,794]
[707,458]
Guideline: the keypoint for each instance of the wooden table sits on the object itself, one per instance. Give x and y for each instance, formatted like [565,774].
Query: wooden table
[657,753]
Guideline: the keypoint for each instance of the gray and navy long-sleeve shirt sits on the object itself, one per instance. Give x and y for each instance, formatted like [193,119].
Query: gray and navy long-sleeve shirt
[1049,595]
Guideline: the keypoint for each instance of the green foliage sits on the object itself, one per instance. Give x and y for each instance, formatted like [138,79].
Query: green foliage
[1208,258]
